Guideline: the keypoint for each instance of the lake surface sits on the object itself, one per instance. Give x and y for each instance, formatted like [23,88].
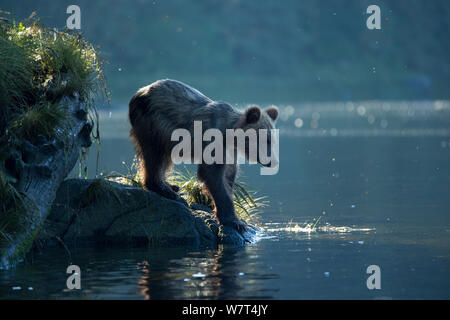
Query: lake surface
[376,173]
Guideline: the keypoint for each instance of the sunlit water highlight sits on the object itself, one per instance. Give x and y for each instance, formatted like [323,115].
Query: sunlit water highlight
[308,227]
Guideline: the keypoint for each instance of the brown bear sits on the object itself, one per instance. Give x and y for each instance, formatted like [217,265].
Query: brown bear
[158,109]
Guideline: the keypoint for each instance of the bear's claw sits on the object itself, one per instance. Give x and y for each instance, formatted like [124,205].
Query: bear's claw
[237,224]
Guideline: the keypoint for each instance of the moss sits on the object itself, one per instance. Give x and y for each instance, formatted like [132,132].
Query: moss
[98,189]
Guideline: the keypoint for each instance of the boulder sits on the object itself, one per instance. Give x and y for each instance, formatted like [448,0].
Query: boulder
[102,212]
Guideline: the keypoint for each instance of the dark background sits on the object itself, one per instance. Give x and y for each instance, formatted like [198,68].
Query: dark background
[285,51]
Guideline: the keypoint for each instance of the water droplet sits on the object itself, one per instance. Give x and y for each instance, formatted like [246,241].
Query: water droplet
[361,110]
[326,274]
[298,122]
[290,110]
[438,105]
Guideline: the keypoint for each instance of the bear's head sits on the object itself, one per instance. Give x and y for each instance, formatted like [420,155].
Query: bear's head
[266,146]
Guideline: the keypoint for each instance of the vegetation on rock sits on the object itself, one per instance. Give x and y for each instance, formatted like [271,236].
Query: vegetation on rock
[41,71]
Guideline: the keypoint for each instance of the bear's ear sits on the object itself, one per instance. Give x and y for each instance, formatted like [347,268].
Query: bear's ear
[252,114]
[272,112]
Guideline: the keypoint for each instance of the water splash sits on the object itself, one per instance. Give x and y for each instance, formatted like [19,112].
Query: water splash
[313,227]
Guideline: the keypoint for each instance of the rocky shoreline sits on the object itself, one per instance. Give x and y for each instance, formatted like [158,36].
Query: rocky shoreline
[102,212]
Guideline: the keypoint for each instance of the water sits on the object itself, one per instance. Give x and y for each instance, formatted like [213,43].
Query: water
[376,173]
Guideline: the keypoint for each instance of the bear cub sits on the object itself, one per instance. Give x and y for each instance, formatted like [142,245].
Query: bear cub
[156,110]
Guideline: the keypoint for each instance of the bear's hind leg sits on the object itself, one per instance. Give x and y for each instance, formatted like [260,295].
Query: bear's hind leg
[154,178]
[166,167]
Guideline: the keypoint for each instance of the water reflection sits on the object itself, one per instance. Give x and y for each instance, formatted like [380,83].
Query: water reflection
[212,274]
[282,265]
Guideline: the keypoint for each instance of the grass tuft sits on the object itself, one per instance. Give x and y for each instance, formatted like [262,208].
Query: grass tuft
[38,67]
[12,207]
[246,202]
[44,119]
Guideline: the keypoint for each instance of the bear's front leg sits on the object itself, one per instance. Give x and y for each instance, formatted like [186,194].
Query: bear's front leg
[214,178]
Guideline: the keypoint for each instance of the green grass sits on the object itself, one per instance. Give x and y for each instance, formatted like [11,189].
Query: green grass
[16,76]
[40,66]
[191,188]
[246,202]
[132,177]
[12,207]
[41,119]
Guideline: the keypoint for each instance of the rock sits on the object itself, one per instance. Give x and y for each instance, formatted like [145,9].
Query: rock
[37,171]
[99,211]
